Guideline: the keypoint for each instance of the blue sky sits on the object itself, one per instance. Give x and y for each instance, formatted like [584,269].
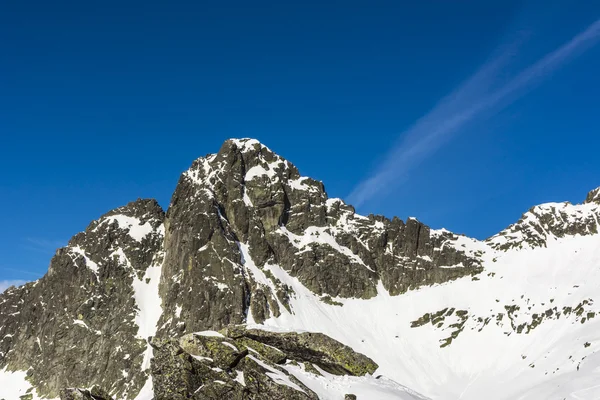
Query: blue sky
[102,103]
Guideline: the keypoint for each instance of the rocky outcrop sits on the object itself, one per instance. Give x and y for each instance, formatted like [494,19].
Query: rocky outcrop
[198,367]
[83,394]
[241,363]
[315,348]
[550,221]
[593,197]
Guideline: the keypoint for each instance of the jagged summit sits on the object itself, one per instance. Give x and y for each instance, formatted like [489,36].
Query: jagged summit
[93,310]
[144,209]
[253,205]
[593,197]
[246,159]
[551,221]
[246,144]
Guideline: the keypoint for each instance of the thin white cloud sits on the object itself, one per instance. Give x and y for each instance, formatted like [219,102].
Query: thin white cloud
[472,99]
[22,271]
[8,283]
[41,245]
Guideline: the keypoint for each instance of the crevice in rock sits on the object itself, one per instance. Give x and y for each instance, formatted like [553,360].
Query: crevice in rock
[239,358]
[285,215]
[419,226]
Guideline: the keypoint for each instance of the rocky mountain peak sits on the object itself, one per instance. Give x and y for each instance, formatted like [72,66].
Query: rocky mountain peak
[247,146]
[246,240]
[90,311]
[238,215]
[593,197]
[142,209]
[551,221]
[241,160]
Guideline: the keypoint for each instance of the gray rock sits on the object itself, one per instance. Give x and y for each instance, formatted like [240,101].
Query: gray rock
[544,222]
[248,194]
[593,197]
[315,348]
[75,327]
[210,367]
[83,394]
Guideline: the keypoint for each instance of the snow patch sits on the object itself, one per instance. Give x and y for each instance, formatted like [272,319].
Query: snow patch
[147,298]
[298,184]
[14,384]
[319,235]
[134,227]
[246,144]
[209,334]
[147,391]
[276,375]
[334,387]
[259,170]
[78,251]
[240,378]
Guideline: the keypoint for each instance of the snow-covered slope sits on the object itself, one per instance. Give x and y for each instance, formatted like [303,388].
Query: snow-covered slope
[524,328]
[13,385]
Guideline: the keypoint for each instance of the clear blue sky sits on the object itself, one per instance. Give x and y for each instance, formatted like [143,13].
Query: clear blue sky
[105,102]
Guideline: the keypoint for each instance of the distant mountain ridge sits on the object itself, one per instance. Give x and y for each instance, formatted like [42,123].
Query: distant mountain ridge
[132,305]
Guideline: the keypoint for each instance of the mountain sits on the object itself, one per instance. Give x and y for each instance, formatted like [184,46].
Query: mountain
[255,285]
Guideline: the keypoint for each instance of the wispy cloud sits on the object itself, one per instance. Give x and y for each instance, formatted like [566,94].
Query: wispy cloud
[21,271]
[41,245]
[28,276]
[8,283]
[473,99]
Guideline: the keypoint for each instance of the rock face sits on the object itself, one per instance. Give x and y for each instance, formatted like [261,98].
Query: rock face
[77,325]
[315,348]
[245,207]
[242,363]
[83,394]
[551,221]
[208,264]
[593,197]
